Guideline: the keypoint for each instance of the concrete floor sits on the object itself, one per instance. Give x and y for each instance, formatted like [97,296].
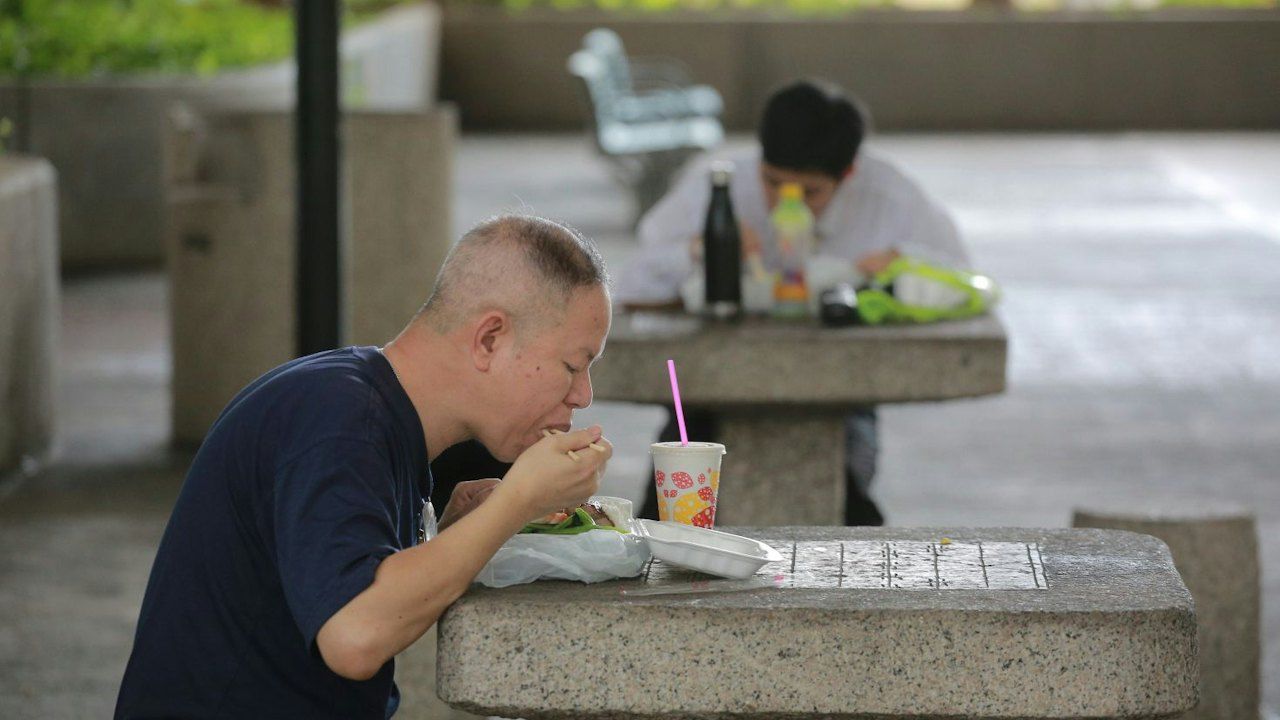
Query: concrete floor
[1142,281]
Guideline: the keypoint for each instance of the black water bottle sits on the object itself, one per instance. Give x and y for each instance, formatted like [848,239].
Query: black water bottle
[722,249]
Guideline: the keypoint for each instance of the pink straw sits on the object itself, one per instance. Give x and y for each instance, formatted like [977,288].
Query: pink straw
[675,392]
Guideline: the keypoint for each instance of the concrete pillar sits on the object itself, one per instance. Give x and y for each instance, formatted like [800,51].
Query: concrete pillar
[28,308]
[230,243]
[1216,552]
[780,469]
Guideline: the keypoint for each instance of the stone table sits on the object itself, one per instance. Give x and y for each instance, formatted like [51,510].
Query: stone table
[781,390]
[854,623]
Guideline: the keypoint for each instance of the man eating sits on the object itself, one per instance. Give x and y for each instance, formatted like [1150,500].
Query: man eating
[291,572]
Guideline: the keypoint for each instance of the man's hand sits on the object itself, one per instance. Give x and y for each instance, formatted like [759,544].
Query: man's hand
[545,479]
[413,587]
[465,498]
[875,262]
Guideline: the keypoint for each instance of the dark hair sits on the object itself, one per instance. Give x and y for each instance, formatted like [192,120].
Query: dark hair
[565,258]
[562,260]
[812,126]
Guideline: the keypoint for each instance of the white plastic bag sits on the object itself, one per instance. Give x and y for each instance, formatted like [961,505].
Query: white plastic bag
[589,557]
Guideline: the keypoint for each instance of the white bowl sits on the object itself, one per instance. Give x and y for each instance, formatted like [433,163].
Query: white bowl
[708,551]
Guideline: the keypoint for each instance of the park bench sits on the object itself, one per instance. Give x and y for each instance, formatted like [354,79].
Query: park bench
[644,115]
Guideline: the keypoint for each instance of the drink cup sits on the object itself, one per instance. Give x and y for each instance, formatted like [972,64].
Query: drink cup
[687,480]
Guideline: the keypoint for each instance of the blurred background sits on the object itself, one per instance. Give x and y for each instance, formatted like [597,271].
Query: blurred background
[1114,164]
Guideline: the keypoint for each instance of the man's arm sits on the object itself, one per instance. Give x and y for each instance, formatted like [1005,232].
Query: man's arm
[654,274]
[927,229]
[898,216]
[413,587]
[934,237]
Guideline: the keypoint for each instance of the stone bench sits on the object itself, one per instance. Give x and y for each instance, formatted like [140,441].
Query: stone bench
[1216,552]
[853,623]
[28,308]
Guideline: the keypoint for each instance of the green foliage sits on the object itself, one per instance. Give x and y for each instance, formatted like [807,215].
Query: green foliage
[836,7]
[6,129]
[1224,4]
[75,38]
[792,7]
[72,38]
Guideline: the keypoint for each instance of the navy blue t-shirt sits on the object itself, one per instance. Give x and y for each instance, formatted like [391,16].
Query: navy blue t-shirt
[309,478]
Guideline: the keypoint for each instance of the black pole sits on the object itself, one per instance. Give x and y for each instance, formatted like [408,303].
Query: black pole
[319,288]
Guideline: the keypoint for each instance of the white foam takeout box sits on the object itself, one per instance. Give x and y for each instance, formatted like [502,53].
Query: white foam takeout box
[709,551]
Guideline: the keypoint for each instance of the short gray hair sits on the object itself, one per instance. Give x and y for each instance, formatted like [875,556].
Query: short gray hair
[525,265]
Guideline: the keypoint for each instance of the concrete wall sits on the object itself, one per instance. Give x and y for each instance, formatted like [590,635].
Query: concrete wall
[28,308]
[971,70]
[230,241]
[104,135]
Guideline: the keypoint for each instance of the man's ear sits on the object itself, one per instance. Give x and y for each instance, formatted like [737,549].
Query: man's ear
[491,333]
[849,171]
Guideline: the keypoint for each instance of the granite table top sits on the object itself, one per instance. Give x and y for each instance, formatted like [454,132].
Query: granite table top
[853,623]
[769,362]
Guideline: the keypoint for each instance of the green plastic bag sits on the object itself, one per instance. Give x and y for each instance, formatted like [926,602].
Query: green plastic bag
[967,294]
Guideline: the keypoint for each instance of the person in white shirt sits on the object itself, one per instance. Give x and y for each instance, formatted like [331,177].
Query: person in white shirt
[867,213]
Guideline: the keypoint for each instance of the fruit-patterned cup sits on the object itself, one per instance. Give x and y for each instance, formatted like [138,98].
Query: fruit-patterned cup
[687,480]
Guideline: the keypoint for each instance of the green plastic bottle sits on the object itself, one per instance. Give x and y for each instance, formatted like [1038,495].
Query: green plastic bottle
[793,233]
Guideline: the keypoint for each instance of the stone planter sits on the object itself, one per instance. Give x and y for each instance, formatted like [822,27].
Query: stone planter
[104,136]
[916,70]
[28,308]
[231,243]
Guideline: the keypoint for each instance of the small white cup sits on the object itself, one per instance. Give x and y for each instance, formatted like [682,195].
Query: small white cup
[687,480]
